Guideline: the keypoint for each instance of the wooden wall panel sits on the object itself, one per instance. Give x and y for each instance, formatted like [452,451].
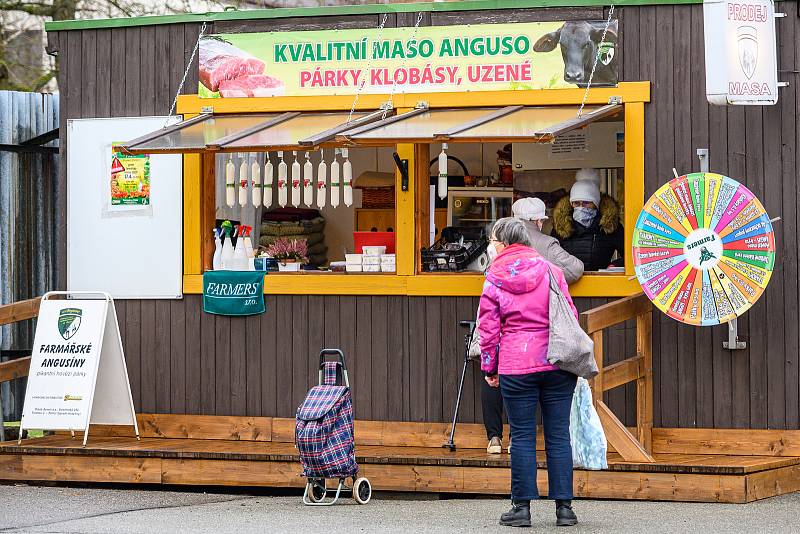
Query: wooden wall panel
[404,354]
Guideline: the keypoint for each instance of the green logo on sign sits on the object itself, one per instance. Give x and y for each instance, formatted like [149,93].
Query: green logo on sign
[706,255]
[69,320]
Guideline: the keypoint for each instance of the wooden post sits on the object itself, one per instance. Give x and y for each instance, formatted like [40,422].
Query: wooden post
[644,385]
[208,207]
[597,381]
[422,183]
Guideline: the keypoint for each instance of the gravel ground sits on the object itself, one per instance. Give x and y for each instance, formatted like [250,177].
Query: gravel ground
[109,510]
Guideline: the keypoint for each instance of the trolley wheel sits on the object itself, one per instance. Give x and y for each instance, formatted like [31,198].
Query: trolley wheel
[318,490]
[362,490]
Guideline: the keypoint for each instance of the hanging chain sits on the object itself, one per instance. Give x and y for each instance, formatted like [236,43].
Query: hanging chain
[394,78]
[596,57]
[369,63]
[186,73]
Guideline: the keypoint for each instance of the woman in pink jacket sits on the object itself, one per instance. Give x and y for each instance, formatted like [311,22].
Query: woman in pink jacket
[514,330]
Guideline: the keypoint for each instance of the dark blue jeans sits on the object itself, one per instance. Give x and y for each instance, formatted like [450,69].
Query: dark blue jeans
[521,393]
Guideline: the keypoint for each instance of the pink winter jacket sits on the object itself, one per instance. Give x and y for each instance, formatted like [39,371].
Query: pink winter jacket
[514,312]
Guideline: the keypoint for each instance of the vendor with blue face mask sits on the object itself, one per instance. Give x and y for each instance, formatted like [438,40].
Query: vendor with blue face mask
[587,223]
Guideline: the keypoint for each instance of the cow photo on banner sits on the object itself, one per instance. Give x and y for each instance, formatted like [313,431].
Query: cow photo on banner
[481,57]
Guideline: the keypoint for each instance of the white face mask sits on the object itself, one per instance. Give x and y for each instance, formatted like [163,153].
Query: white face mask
[584,216]
[491,252]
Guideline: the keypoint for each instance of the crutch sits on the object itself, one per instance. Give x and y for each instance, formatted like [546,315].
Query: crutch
[470,326]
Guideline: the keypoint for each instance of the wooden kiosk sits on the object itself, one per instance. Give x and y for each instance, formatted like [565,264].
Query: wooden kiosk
[216,395]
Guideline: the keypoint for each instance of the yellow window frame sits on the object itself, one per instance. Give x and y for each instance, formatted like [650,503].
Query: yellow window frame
[407,280]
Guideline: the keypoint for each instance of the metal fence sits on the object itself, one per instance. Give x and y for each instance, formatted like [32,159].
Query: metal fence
[29,217]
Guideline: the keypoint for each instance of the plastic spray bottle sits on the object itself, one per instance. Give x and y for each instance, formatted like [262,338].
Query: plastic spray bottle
[239,253]
[248,249]
[217,261]
[227,246]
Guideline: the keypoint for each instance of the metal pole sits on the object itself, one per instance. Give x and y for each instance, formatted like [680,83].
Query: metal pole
[733,342]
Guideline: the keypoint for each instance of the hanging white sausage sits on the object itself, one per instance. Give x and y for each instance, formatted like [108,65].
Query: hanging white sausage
[347,174]
[243,182]
[230,183]
[268,178]
[442,182]
[282,185]
[308,182]
[255,175]
[322,178]
[295,181]
[335,179]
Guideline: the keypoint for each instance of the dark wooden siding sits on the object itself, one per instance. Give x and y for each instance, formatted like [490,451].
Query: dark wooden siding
[404,356]
[404,352]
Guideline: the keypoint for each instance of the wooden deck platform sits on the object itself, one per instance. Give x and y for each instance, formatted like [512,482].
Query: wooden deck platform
[395,456]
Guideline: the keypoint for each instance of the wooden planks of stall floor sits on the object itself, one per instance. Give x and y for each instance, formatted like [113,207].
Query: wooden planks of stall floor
[695,478]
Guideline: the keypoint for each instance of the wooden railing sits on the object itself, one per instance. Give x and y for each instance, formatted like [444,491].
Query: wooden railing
[637,368]
[11,313]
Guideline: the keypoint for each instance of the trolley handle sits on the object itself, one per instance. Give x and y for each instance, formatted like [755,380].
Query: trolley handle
[333,352]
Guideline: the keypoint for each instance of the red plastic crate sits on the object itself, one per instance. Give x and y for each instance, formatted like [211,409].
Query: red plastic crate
[373,239]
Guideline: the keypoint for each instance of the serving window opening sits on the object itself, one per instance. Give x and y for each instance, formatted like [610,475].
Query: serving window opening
[484,179]
[320,207]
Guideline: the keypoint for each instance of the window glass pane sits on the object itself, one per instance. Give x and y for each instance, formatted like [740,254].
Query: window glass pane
[198,135]
[425,125]
[289,133]
[331,221]
[522,123]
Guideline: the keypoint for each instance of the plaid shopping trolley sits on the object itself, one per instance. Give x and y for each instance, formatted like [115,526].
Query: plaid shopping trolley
[324,435]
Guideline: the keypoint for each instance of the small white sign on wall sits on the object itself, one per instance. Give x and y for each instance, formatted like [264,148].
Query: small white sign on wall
[740,52]
[77,375]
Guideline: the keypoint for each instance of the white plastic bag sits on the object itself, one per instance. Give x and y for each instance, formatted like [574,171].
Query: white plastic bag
[589,444]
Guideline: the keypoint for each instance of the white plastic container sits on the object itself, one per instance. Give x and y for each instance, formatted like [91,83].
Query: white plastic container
[372,268]
[373,250]
[353,268]
[371,260]
[388,258]
[388,267]
[291,267]
[353,259]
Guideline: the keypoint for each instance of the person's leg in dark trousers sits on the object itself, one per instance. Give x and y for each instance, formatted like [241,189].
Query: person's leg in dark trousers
[492,406]
[521,394]
[556,390]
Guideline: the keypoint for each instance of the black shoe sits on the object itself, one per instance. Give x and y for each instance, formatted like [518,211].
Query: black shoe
[565,517]
[518,516]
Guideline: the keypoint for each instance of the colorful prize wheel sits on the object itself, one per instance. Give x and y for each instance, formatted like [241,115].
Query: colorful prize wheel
[703,248]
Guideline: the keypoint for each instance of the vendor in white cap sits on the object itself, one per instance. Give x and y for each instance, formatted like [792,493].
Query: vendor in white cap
[532,213]
[587,223]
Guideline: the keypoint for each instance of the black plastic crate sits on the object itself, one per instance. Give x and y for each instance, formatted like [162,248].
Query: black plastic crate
[455,249]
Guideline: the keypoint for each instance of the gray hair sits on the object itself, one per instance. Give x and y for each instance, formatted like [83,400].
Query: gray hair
[511,231]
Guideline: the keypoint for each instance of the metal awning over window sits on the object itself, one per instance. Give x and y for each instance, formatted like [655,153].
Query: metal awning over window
[252,132]
[517,124]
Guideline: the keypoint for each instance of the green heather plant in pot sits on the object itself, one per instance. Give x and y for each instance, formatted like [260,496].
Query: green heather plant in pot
[290,253]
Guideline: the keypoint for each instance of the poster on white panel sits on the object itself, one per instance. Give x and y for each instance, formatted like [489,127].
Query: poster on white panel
[124,213]
[77,374]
